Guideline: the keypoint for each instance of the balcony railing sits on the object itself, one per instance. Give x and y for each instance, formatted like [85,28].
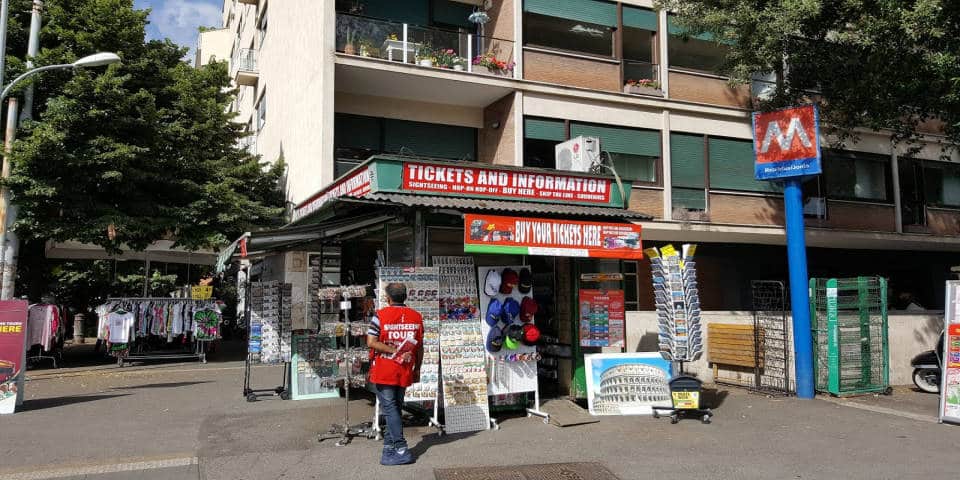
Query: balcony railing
[641,78]
[245,66]
[424,46]
[248,143]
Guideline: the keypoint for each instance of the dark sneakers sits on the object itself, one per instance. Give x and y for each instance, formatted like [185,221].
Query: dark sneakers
[392,456]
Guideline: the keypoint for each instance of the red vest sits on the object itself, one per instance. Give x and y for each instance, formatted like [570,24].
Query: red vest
[396,324]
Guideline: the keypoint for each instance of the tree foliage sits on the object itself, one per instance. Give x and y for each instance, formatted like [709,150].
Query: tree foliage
[144,148]
[878,64]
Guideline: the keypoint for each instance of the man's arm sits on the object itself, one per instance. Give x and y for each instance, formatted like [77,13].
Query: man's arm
[378,346]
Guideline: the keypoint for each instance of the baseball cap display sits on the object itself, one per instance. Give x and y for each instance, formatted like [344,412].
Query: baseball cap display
[530,334]
[512,308]
[494,340]
[491,284]
[514,331]
[526,281]
[494,310]
[509,281]
[528,308]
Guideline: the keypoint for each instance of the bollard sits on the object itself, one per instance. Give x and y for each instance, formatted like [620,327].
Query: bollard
[78,328]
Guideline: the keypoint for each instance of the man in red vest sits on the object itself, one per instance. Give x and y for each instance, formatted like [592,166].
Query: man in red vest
[395,338]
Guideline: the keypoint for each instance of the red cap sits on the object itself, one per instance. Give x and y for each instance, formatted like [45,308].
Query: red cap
[530,334]
[528,308]
[508,281]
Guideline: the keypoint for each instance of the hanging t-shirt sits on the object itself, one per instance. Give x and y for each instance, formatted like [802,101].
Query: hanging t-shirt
[119,325]
[177,314]
[207,325]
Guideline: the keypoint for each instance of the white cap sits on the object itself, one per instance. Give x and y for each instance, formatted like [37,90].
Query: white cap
[491,285]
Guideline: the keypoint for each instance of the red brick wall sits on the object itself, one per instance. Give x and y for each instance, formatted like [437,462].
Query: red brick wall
[647,201]
[749,210]
[857,216]
[943,222]
[571,71]
[496,145]
[714,91]
[501,20]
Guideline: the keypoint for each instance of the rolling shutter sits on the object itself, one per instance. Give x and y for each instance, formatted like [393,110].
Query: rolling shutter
[356,131]
[543,129]
[640,18]
[621,140]
[452,13]
[686,152]
[731,167]
[430,140]
[590,11]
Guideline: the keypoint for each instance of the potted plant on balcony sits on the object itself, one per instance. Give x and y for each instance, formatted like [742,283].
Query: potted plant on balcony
[644,86]
[445,57]
[349,48]
[489,63]
[367,48]
[425,56]
[459,64]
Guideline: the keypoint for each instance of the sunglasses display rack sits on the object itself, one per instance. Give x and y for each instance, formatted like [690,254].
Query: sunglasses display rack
[462,358]
[267,312]
[509,370]
[344,362]
[678,302]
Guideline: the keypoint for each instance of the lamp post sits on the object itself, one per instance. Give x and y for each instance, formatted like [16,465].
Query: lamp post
[8,241]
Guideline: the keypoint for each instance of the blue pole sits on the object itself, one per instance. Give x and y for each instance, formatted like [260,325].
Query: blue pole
[799,293]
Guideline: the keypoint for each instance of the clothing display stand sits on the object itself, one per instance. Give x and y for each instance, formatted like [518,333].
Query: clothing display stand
[57,337]
[138,350]
[345,432]
[254,345]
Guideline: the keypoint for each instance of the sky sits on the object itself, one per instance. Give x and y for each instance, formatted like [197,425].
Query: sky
[178,20]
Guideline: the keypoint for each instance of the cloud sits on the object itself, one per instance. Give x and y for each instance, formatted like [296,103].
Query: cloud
[178,20]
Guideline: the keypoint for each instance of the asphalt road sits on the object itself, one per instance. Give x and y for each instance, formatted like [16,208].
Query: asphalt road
[189,421]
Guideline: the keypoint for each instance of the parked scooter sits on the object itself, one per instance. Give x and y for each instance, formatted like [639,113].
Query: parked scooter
[927,368]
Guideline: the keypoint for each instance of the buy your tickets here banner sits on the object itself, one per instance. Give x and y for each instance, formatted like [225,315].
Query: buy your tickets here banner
[563,238]
[504,183]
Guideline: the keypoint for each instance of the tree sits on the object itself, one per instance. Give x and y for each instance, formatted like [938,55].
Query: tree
[876,64]
[145,149]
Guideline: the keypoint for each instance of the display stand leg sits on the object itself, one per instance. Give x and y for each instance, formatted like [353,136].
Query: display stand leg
[535,411]
[346,432]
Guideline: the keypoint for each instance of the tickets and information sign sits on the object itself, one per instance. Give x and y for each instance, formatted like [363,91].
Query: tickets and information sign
[490,182]
[560,238]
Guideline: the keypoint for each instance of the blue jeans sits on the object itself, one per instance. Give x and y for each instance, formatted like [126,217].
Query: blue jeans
[391,405]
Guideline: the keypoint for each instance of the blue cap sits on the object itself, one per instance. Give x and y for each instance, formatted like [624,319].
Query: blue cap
[494,310]
[511,307]
[494,340]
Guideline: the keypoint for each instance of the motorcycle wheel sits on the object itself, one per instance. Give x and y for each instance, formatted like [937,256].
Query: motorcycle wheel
[925,380]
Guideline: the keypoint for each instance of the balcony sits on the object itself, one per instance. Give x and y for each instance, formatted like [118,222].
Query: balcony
[641,78]
[424,46]
[244,65]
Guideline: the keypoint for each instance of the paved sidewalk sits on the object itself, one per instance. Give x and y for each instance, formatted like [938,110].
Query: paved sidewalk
[103,425]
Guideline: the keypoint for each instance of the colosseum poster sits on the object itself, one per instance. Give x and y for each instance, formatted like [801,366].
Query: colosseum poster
[627,383]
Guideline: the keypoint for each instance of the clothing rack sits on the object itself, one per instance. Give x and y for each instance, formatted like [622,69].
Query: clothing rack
[138,351]
[57,340]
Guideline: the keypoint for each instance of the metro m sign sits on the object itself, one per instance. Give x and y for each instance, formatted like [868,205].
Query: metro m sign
[786,143]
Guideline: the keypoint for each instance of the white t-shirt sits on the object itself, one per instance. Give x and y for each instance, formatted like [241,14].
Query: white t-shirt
[119,325]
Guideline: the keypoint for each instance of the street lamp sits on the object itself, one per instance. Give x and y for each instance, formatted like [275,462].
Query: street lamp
[95,60]
[8,249]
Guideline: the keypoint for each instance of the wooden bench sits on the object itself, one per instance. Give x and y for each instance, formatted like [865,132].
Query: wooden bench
[734,345]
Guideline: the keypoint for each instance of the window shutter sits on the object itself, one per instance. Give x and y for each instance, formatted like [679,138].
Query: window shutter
[590,11]
[402,11]
[640,18]
[621,140]
[689,198]
[355,131]
[686,152]
[731,167]
[543,129]
[675,29]
[452,13]
[430,140]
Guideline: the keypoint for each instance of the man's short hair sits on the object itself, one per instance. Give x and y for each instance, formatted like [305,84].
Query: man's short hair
[397,292]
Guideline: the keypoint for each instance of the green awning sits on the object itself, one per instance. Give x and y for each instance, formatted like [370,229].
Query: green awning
[640,18]
[589,11]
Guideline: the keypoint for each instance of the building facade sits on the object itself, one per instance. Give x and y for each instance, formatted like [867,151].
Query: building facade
[323,85]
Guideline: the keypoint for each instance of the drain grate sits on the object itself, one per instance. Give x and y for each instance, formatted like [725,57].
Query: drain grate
[550,471]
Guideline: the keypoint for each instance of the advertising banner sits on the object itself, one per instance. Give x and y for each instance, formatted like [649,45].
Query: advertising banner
[602,317]
[627,383]
[13,330]
[950,388]
[559,238]
[356,185]
[422,177]
[786,143]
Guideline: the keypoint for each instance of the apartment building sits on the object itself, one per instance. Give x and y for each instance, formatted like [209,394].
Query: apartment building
[325,84]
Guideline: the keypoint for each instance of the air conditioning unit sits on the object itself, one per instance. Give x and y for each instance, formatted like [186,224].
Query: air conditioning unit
[578,154]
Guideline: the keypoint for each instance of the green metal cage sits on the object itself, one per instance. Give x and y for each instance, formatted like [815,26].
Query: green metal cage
[849,323]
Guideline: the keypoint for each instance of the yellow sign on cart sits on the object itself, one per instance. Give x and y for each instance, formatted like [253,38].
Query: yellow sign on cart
[686,400]
[201,292]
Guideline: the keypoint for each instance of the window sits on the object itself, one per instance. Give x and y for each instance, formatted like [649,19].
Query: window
[262,112]
[584,26]
[687,172]
[639,44]
[696,52]
[357,138]
[941,182]
[263,27]
[732,166]
[857,176]
[926,183]
[635,153]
